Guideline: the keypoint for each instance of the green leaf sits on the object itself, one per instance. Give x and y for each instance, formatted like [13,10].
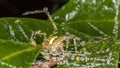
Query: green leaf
[78,14]
[17,54]
[22,30]
[93,17]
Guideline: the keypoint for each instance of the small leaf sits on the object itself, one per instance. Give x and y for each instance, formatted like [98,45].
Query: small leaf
[17,54]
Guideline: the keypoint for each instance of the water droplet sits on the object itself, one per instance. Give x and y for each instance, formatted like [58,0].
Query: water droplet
[77,58]
[76,1]
[45,9]
[70,15]
[83,1]
[56,17]
[94,1]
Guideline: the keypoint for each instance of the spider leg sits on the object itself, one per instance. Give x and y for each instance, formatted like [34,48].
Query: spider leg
[45,10]
[74,42]
[67,43]
[52,21]
[32,41]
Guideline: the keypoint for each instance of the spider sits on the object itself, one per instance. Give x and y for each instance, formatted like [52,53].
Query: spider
[53,46]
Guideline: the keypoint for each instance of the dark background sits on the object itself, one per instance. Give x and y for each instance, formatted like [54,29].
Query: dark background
[15,8]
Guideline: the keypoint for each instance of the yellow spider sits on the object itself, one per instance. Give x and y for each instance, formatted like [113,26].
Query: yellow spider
[53,45]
